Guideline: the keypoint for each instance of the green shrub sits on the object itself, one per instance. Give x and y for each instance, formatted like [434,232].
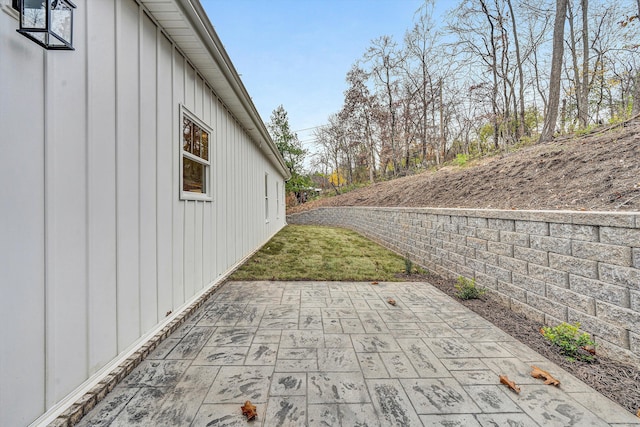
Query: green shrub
[585,131]
[461,159]
[408,265]
[572,343]
[467,289]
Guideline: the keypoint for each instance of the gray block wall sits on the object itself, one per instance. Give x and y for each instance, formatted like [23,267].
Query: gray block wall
[552,266]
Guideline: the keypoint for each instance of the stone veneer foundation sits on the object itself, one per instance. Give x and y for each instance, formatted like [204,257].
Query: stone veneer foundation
[552,266]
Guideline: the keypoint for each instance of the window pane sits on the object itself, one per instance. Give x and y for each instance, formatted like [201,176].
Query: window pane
[196,140]
[186,134]
[205,145]
[193,176]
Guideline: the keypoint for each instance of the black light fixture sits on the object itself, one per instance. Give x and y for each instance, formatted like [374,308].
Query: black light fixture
[48,23]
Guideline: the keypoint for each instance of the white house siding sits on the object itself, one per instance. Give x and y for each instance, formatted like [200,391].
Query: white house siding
[95,245]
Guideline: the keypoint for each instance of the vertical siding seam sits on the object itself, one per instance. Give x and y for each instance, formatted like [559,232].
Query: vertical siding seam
[157,115]
[116,11]
[48,344]
[214,188]
[186,202]
[140,302]
[174,190]
[197,206]
[203,279]
[184,261]
[87,195]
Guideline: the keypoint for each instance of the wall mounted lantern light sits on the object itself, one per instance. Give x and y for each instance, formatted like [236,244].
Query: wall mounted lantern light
[48,23]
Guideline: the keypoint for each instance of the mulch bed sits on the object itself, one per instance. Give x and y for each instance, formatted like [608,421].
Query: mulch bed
[617,381]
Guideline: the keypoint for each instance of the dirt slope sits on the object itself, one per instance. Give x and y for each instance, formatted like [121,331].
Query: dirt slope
[596,172]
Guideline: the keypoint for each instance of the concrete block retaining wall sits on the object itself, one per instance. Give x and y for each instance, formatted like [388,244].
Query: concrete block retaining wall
[552,266]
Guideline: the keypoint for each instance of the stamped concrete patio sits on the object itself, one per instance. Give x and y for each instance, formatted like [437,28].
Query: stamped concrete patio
[337,354]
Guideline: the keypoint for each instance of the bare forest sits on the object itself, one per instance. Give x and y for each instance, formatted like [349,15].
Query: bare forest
[488,76]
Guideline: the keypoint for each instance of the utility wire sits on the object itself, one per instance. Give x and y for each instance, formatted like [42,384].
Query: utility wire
[301,130]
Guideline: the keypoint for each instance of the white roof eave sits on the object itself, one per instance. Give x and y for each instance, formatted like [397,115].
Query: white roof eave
[187,24]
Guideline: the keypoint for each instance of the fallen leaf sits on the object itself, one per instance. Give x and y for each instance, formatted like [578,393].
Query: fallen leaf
[638,413]
[249,410]
[374,283]
[589,349]
[546,376]
[168,313]
[512,385]
[391,301]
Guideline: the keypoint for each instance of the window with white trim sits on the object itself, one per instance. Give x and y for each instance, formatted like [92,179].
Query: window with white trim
[195,164]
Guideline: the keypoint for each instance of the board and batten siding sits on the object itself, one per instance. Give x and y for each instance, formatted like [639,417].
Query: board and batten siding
[97,249]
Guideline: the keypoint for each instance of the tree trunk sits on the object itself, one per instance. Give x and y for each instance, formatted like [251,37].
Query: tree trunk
[521,123]
[563,116]
[635,110]
[442,139]
[574,61]
[556,71]
[584,112]
[435,141]
[507,85]
[494,69]
[537,79]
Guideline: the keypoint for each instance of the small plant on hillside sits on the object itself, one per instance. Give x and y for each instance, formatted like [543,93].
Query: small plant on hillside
[572,343]
[408,265]
[585,131]
[461,159]
[467,289]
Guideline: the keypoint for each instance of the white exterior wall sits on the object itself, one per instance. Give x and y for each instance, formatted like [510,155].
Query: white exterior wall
[95,245]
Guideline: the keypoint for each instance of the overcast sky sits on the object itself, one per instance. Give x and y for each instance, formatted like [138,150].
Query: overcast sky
[297,52]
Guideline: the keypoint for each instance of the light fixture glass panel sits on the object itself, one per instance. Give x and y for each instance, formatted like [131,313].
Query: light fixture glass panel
[61,21]
[34,14]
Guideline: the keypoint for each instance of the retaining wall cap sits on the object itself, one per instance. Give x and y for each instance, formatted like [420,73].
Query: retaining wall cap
[600,218]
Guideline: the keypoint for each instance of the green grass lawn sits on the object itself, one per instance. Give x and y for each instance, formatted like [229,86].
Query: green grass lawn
[304,252]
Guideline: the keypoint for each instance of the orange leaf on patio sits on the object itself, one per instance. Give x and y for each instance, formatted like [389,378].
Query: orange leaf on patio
[249,410]
[546,376]
[511,384]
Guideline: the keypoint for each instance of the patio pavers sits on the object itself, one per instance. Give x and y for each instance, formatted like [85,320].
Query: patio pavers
[336,354]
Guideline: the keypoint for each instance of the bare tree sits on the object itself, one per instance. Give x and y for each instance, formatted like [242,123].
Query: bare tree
[383,54]
[636,93]
[521,122]
[424,66]
[586,86]
[494,73]
[551,115]
[359,110]
[580,78]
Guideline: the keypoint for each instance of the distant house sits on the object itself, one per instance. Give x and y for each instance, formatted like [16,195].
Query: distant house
[136,173]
